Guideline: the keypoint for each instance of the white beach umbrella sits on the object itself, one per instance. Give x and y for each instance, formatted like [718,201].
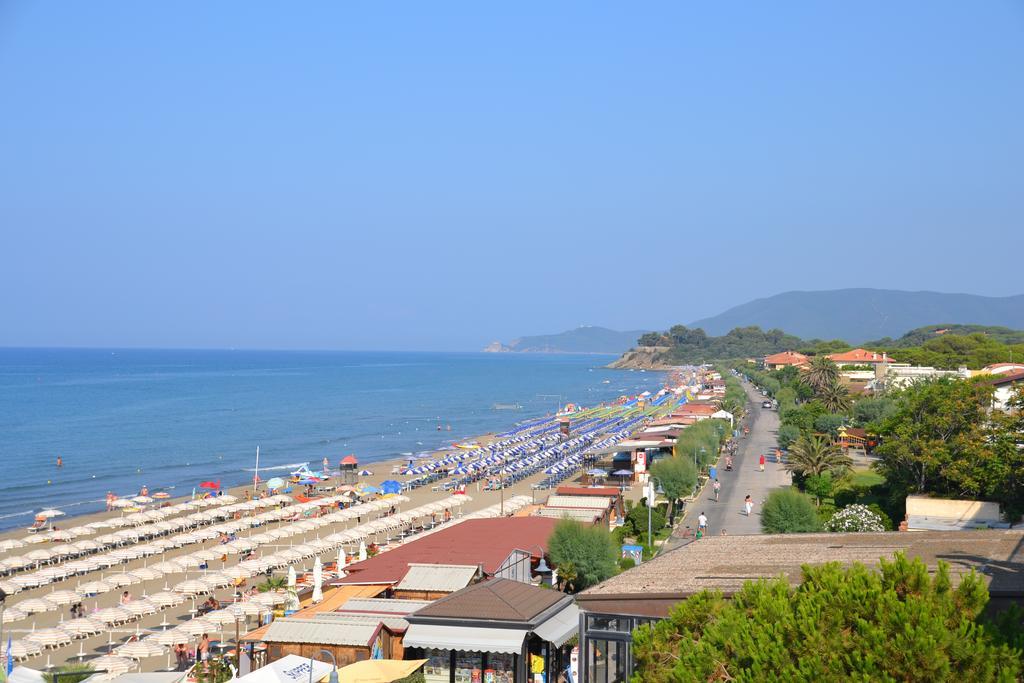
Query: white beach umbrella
[86,564]
[170,637]
[241,545]
[12,614]
[11,544]
[65,550]
[53,573]
[189,561]
[36,539]
[196,626]
[36,605]
[80,531]
[100,524]
[143,500]
[256,565]
[207,555]
[274,561]
[40,555]
[49,512]
[291,577]
[112,615]
[237,572]
[289,555]
[127,535]
[9,588]
[166,599]
[191,587]
[22,649]
[112,664]
[95,587]
[215,580]
[248,609]
[86,545]
[83,627]
[146,573]
[140,649]
[341,559]
[168,567]
[64,597]
[223,617]
[165,543]
[122,503]
[50,637]
[122,579]
[140,607]
[362,550]
[318,581]
[270,598]
[63,535]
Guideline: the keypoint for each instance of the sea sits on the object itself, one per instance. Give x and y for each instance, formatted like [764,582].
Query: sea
[170,419]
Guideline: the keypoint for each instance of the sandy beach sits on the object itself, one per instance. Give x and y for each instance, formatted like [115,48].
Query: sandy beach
[110,638]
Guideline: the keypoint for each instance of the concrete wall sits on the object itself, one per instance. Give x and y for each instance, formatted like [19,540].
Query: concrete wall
[964,510]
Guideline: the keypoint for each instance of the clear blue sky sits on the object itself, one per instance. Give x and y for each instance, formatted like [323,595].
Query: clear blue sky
[433,175]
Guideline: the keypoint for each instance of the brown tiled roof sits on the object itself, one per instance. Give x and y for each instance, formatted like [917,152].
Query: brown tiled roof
[860,356]
[785,358]
[604,491]
[493,600]
[1008,379]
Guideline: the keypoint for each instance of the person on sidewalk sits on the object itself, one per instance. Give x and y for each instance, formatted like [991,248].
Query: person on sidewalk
[760,461]
[748,504]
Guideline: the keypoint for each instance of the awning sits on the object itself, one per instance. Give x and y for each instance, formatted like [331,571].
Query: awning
[561,627]
[288,669]
[466,638]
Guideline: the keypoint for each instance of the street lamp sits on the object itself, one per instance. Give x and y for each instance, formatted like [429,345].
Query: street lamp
[650,503]
[334,671]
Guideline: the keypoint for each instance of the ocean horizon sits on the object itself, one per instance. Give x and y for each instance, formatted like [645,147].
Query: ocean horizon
[170,418]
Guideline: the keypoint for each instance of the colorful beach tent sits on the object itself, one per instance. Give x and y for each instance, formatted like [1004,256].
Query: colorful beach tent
[379,670]
[391,486]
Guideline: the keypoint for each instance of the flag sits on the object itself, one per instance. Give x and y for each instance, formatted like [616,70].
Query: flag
[10,660]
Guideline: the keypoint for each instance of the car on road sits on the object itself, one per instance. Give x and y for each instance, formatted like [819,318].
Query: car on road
[766,404]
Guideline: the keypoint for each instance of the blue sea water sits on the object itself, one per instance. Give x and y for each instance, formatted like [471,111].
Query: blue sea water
[171,418]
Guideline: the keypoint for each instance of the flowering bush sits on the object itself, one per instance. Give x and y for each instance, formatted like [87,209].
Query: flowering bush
[855,517]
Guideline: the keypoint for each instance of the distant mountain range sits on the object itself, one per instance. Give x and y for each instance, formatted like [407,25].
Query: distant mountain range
[580,340]
[857,315]
[853,315]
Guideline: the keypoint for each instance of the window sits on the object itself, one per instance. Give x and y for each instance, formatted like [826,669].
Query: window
[438,666]
[607,661]
[601,622]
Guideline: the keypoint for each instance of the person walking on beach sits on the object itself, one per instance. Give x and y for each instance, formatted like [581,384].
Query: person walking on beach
[748,504]
[203,649]
[760,461]
[327,464]
[718,489]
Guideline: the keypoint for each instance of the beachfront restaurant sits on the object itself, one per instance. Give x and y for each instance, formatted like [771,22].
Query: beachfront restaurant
[497,631]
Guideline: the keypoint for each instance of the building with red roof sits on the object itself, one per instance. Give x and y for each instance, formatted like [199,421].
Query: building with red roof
[784,359]
[860,357]
[505,547]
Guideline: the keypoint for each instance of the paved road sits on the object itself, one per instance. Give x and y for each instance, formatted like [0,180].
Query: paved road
[746,478]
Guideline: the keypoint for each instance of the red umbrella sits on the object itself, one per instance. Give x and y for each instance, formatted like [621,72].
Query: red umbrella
[209,484]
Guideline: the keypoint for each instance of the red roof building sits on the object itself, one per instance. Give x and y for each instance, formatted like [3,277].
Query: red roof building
[494,545]
[784,359]
[860,357]
[349,460]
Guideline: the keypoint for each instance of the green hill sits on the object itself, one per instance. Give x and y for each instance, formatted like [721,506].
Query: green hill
[917,337]
[857,315]
[581,340]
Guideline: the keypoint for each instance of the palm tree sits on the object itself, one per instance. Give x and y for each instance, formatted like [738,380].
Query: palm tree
[815,455]
[835,397]
[821,372]
[732,406]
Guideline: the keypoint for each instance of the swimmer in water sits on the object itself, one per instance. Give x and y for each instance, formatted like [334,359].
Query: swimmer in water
[60,461]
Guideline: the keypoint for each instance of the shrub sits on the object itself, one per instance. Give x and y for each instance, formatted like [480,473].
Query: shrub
[787,435]
[788,511]
[853,518]
[590,551]
[626,563]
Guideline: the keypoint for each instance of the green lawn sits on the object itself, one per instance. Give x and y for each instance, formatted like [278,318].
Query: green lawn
[866,478]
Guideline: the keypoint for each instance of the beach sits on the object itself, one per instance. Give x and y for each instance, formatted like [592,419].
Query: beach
[477,499]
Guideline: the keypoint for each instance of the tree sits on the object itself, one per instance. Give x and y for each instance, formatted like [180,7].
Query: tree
[72,672]
[590,550]
[820,486]
[867,411]
[812,455]
[942,439]
[835,397]
[787,435]
[677,476]
[788,511]
[839,624]
[855,517]
[635,523]
[821,372]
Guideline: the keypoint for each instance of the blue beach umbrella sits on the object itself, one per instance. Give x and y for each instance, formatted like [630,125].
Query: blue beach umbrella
[390,486]
[597,472]
[370,489]
[365,473]
[275,483]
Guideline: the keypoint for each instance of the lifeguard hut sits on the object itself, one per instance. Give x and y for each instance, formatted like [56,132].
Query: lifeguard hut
[349,470]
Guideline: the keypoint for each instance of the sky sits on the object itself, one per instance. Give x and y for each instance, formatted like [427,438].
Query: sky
[438,175]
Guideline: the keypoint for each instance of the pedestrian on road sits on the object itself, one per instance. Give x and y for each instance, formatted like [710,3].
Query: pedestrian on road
[760,461]
[702,524]
[718,489]
[748,504]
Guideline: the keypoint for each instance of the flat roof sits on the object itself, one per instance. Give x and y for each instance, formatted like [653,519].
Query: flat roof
[725,562]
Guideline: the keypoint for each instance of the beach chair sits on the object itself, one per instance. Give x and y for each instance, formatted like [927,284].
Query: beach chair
[40,524]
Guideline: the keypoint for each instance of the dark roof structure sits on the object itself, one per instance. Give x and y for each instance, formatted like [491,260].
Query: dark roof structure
[495,600]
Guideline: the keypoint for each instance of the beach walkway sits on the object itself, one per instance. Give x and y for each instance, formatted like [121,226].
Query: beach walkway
[746,478]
